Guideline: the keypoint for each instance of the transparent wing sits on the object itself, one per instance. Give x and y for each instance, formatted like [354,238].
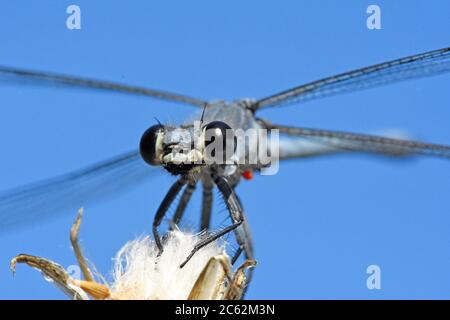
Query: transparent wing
[416,66]
[300,147]
[339,140]
[307,147]
[44,78]
[65,193]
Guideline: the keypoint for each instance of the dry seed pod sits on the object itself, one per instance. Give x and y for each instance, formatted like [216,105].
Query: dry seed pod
[139,273]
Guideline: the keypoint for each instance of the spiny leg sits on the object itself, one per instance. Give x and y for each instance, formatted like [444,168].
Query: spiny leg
[209,240]
[245,242]
[181,208]
[206,206]
[247,247]
[236,211]
[236,214]
[164,206]
[245,235]
[236,255]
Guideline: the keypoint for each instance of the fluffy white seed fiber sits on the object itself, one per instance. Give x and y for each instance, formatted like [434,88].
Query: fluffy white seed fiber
[139,274]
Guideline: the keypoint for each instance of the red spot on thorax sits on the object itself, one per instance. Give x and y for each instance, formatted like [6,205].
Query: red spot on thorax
[247,174]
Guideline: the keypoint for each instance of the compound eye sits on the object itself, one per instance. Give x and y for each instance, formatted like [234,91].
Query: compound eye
[150,145]
[217,141]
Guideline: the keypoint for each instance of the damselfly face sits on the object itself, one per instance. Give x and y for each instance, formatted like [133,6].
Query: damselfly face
[184,149]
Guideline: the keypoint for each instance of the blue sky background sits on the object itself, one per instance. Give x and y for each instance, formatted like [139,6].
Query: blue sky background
[318,223]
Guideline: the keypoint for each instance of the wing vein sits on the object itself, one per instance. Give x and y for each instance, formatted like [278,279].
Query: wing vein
[9,73]
[367,143]
[416,66]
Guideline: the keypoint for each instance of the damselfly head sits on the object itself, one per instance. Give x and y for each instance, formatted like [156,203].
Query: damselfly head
[180,150]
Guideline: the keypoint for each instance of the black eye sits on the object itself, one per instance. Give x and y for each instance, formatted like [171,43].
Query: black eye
[148,145]
[217,131]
